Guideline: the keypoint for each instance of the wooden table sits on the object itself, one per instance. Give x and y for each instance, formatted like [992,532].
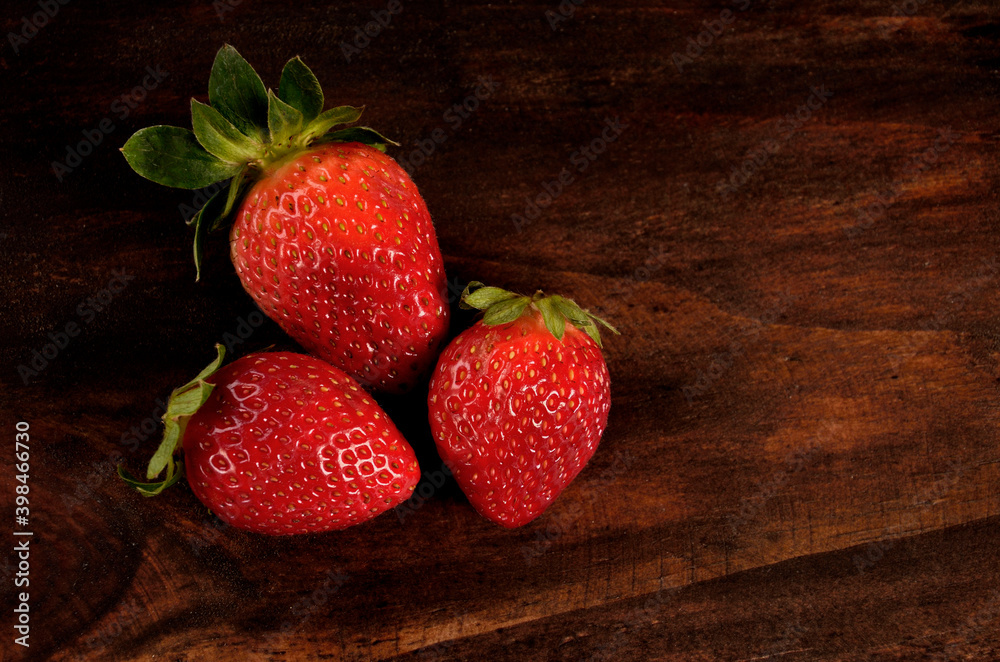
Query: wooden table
[790,212]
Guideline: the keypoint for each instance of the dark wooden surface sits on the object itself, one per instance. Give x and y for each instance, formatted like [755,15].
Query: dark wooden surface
[802,459]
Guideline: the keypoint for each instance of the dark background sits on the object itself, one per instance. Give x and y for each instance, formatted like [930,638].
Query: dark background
[802,455]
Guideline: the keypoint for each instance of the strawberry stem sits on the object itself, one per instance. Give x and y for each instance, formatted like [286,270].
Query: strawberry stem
[501,306]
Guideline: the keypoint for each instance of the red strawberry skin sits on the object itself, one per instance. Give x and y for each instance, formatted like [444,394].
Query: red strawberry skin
[337,246]
[287,444]
[516,414]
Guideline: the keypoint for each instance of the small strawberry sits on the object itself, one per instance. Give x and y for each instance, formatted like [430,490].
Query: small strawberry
[282,443]
[518,402]
[330,236]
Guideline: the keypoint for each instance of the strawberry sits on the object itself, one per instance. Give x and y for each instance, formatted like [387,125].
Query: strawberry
[329,235]
[519,401]
[281,443]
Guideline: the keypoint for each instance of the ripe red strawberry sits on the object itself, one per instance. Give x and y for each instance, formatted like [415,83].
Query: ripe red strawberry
[338,247]
[282,443]
[330,236]
[518,402]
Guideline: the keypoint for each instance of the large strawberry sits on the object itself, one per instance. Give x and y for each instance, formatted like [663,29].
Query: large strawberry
[282,443]
[519,401]
[329,235]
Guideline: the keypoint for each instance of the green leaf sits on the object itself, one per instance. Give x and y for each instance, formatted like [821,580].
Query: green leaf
[283,120]
[471,287]
[300,89]
[505,311]
[237,186]
[361,134]
[219,137]
[208,217]
[211,368]
[573,312]
[554,320]
[236,91]
[582,319]
[172,156]
[329,119]
[179,410]
[609,327]
[183,404]
[151,489]
[244,123]
[591,330]
[484,297]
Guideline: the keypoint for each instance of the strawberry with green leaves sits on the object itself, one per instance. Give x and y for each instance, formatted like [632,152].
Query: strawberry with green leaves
[281,443]
[328,234]
[518,402]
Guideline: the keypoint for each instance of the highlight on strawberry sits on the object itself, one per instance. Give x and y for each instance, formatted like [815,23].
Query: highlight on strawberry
[329,236]
[281,443]
[519,401]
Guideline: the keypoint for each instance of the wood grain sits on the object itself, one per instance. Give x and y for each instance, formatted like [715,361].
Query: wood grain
[802,459]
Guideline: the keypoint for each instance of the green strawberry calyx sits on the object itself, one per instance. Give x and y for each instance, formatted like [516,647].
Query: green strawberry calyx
[502,307]
[184,402]
[241,132]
